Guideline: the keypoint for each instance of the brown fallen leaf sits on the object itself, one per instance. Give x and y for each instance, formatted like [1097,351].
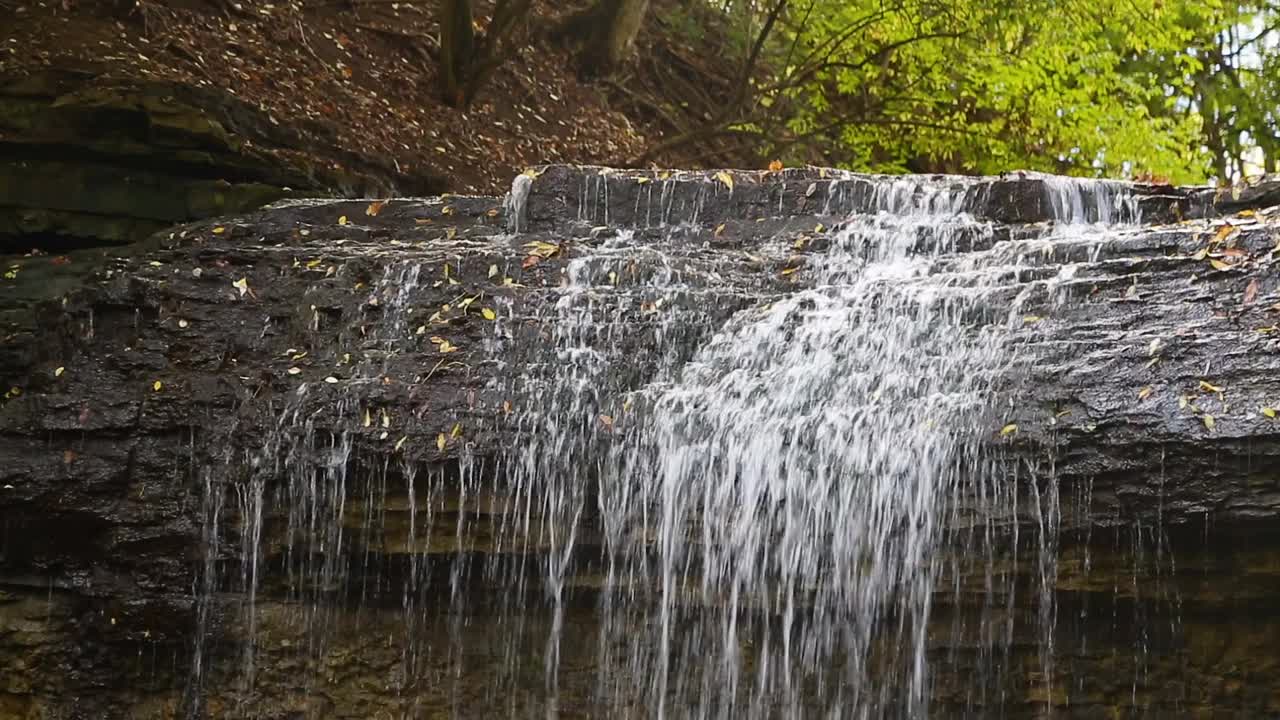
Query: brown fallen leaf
[375,207]
[1251,291]
[775,166]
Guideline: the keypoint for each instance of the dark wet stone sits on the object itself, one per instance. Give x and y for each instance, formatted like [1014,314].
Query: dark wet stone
[178,355]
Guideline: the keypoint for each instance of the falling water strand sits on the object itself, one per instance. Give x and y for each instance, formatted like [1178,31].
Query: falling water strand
[778,507]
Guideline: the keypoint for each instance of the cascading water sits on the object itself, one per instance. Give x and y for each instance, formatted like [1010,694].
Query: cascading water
[780,510]
[770,469]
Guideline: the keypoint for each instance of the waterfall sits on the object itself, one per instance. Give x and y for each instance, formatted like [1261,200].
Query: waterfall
[745,481]
[799,477]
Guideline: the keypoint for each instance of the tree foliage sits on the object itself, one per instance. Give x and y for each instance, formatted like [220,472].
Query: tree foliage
[1176,90]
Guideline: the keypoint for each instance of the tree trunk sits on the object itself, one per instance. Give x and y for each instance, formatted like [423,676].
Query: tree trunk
[467,60]
[457,48]
[607,31]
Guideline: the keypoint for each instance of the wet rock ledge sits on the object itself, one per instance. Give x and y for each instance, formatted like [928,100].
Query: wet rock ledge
[139,380]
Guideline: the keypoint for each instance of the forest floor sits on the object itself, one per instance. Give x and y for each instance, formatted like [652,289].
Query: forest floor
[363,68]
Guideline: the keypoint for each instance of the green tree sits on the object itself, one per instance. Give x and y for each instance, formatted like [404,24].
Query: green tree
[1162,89]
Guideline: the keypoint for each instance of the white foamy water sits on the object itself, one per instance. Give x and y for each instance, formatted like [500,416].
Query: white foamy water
[769,470]
[781,509]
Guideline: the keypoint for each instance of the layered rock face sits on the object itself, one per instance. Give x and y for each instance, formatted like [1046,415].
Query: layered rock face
[157,154]
[296,463]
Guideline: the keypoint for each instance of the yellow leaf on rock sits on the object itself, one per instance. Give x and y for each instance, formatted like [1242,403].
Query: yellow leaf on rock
[1208,421]
[1269,412]
[400,442]
[457,430]
[342,220]
[155,386]
[493,270]
[219,230]
[1008,429]
[1218,264]
[488,314]
[59,371]
[1210,387]
[368,419]
[725,178]
[440,442]
[1144,393]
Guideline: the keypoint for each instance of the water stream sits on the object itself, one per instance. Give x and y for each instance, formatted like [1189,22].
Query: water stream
[779,510]
[746,492]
